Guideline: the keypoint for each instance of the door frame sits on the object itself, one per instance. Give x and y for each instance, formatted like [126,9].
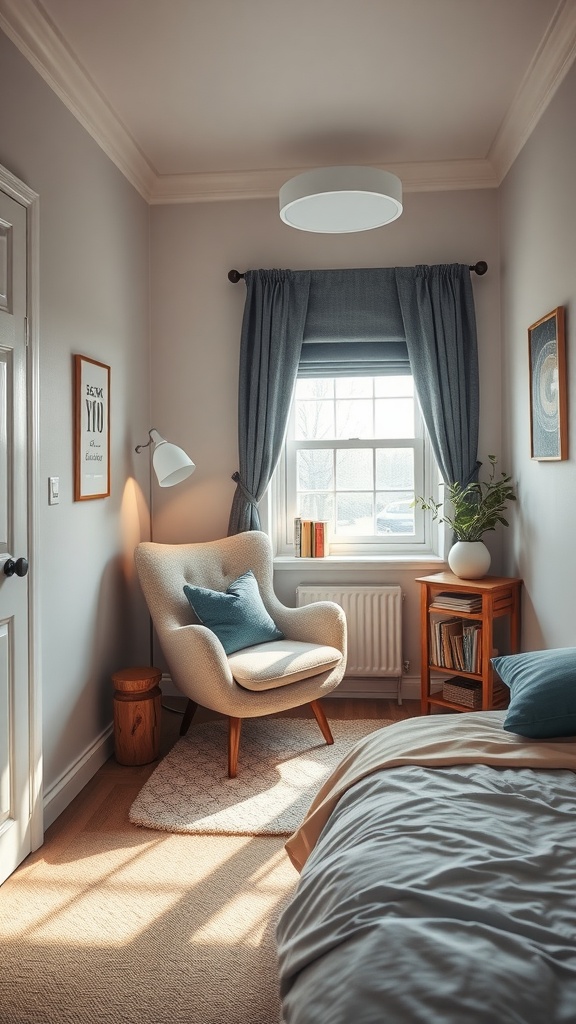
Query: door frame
[21,193]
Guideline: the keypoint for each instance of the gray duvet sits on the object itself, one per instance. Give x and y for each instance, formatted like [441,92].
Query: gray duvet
[438,895]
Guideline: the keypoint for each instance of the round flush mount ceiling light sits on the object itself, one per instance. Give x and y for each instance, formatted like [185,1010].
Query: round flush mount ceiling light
[337,200]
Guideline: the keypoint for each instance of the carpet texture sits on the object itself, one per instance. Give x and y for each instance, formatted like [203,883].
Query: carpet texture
[282,764]
[129,926]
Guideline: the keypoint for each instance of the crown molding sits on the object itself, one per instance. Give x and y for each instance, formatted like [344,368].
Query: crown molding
[438,176]
[551,62]
[217,185]
[445,175]
[29,28]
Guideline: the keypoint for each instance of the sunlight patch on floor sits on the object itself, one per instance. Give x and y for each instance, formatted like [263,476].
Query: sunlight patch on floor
[275,873]
[308,767]
[244,920]
[69,915]
[246,916]
[109,898]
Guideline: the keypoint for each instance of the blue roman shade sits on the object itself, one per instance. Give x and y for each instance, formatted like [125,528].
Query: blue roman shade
[354,325]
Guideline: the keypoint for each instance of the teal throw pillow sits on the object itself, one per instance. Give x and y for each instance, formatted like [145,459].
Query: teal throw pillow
[542,688]
[237,617]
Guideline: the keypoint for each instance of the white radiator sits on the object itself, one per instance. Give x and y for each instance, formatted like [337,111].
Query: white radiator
[374,620]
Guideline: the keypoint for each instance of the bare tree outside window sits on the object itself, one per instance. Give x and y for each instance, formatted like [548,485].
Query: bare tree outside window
[348,469]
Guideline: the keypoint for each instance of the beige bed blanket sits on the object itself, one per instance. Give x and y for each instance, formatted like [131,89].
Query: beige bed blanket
[434,741]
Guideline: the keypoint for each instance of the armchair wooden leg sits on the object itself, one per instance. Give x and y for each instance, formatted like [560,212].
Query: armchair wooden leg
[188,716]
[322,721]
[234,727]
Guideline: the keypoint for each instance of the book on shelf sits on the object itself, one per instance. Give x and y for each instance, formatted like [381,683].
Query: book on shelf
[461,602]
[310,538]
[472,644]
[457,642]
[306,538]
[437,634]
[319,541]
[297,535]
[448,632]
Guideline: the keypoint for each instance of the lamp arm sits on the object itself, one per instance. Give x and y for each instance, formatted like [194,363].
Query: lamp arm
[151,440]
[140,447]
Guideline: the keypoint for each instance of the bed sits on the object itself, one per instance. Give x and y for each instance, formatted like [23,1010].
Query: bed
[438,881]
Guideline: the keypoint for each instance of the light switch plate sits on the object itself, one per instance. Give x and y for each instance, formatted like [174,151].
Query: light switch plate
[53,490]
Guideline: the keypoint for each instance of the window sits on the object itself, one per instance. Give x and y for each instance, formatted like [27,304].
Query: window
[355,456]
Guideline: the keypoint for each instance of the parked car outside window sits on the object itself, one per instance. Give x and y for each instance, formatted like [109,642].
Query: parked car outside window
[397,517]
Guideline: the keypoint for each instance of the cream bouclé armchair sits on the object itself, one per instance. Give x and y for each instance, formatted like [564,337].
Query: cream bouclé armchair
[258,680]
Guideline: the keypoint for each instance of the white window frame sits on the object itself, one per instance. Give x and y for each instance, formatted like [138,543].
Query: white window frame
[282,506]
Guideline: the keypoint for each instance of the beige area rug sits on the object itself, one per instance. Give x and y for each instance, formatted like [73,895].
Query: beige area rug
[282,764]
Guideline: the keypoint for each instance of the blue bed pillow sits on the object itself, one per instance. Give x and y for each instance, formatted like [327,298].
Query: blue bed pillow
[238,616]
[542,692]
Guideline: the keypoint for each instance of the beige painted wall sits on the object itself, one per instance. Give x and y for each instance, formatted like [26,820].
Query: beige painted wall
[538,228]
[196,320]
[93,300]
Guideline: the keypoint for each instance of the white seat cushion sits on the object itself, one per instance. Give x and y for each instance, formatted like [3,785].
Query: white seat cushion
[267,666]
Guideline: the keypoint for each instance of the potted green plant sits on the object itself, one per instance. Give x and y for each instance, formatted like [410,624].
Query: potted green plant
[475,509]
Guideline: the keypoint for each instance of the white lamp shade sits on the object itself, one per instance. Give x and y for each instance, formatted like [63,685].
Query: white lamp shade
[171,464]
[338,200]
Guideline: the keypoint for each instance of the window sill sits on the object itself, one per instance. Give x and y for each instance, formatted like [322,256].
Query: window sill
[415,562]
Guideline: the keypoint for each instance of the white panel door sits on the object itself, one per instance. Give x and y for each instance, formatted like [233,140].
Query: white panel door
[15,795]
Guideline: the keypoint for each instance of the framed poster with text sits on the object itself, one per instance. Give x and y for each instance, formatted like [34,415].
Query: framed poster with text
[548,414]
[91,429]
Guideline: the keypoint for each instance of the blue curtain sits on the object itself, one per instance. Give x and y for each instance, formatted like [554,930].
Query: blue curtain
[272,332]
[437,306]
[324,323]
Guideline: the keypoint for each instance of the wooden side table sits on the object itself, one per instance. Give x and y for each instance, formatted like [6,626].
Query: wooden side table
[137,715]
[500,597]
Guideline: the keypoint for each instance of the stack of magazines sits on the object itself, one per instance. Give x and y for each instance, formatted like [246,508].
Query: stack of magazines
[459,602]
[310,538]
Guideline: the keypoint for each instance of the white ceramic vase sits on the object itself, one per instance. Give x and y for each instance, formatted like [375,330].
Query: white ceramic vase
[469,559]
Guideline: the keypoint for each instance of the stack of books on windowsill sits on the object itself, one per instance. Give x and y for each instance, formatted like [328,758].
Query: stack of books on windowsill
[458,602]
[310,538]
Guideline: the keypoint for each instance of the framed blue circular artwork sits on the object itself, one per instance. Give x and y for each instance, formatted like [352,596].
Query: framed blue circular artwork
[548,417]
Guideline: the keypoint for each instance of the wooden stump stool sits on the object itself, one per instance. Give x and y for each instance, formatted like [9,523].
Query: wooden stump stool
[137,714]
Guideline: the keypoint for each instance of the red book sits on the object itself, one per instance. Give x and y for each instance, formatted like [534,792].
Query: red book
[319,539]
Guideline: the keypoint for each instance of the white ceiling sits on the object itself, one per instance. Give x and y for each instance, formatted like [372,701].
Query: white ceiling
[208,99]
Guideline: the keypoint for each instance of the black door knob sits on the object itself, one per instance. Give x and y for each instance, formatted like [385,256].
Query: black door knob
[20,566]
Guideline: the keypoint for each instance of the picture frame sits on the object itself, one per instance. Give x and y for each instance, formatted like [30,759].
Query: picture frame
[91,429]
[548,399]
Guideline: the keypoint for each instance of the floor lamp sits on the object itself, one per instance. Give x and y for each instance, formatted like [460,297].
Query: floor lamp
[171,466]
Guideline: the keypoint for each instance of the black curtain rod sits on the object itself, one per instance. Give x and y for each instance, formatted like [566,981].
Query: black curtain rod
[479,268]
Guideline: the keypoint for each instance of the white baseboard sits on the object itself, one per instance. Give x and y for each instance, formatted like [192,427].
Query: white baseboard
[367,689]
[377,688]
[57,798]
[383,689]
[167,686]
